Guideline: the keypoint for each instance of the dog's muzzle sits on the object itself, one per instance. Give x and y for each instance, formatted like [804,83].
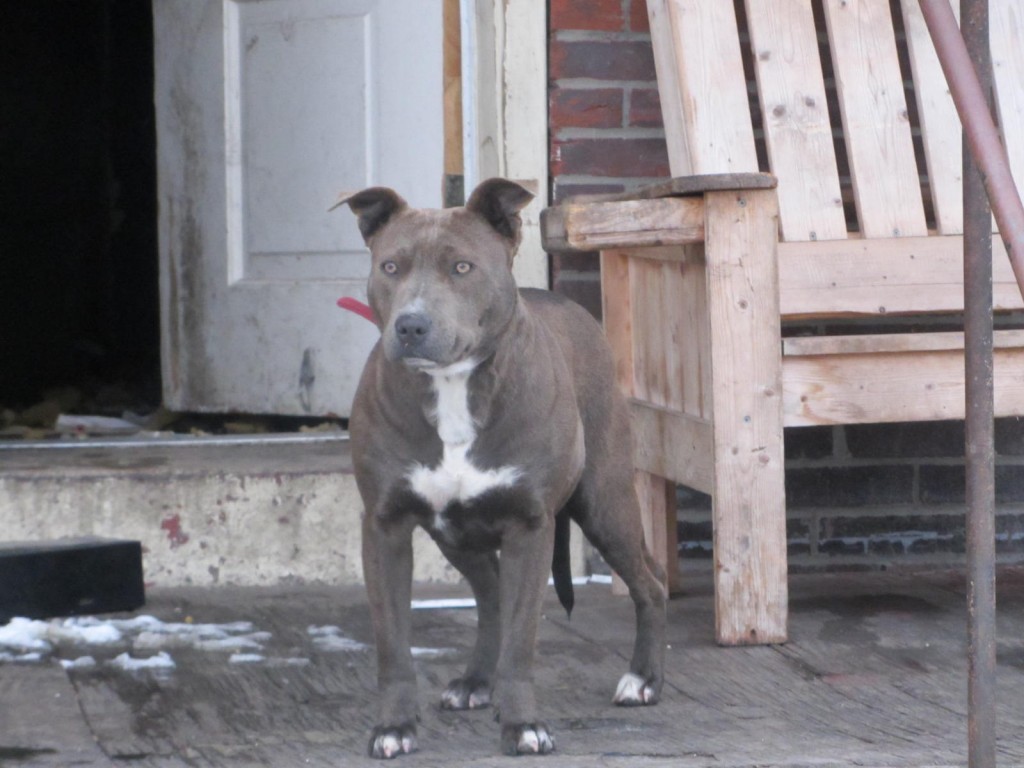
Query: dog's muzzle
[413,336]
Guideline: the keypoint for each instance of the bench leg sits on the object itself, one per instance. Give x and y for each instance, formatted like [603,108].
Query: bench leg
[748,494]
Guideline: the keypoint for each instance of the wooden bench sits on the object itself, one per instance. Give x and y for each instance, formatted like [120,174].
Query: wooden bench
[799,195]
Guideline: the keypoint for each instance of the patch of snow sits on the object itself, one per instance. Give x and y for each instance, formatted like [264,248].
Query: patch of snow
[245,658]
[330,638]
[21,658]
[441,603]
[83,662]
[131,664]
[20,636]
[25,635]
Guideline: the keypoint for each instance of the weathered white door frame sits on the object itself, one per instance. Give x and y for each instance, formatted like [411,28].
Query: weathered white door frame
[505,110]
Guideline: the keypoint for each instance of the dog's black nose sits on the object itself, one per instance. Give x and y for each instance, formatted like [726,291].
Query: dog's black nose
[412,328]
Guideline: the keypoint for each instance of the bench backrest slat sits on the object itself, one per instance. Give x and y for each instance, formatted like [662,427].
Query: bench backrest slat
[702,86]
[940,126]
[794,106]
[886,185]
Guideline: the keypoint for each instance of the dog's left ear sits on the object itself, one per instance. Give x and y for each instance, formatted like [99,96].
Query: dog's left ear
[373,206]
[500,201]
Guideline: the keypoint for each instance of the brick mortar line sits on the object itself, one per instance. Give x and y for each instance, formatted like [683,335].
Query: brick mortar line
[597,84]
[1004,460]
[908,509]
[609,37]
[628,182]
[615,134]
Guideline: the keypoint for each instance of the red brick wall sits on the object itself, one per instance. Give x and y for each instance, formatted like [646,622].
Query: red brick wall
[605,120]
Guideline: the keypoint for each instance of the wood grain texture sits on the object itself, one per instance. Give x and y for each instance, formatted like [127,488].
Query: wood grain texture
[885,276]
[874,112]
[749,499]
[633,223]
[673,445]
[452,88]
[618,315]
[873,675]
[892,387]
[708,122]
[791,88]
[940,125]
[883,343]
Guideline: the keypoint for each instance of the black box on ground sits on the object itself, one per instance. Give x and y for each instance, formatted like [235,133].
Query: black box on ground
[69,577]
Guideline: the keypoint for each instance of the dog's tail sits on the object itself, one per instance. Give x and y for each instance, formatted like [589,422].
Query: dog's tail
[561,567]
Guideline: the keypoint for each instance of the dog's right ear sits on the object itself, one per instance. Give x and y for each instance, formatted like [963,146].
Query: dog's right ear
[374,207]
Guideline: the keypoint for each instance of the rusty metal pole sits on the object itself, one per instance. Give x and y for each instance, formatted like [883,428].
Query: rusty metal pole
[979,449]
[986,178]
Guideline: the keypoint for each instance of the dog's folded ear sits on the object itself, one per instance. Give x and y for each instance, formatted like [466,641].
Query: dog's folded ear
[374,207]
[500,201]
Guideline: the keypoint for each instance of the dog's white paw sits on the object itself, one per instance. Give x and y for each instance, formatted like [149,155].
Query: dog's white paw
[527,739]
[634,691]
[389,742]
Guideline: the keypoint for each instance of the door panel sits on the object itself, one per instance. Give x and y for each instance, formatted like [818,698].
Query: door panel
[266,109]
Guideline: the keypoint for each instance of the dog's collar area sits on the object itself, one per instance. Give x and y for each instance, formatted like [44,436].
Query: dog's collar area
[461,368]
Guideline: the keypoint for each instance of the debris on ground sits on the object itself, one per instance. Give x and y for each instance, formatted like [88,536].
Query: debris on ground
[66,414]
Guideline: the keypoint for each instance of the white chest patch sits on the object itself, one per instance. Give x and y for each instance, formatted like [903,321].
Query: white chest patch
[455,478]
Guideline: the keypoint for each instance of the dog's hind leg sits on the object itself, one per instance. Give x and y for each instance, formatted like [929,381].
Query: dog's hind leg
[473,689]
[609,515]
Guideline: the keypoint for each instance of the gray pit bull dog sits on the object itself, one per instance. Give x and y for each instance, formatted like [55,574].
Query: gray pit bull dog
[488,416]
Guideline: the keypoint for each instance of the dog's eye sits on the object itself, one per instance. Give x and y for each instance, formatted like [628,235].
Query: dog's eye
[463,267]
[389,268]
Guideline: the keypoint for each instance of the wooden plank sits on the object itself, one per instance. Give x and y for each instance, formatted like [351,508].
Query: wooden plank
[672,253]
[749,498]
[660,14]
[791,89]
[1007,38]
[682,321]
[695,337]
[882,649]
[651,338]
[874,111]
[671,284]
[891,276]
[452,89]
[807,346]
[673,445]
[633,224]
[618,315]
[702,87]
[940,125]
[40,719]
[892,387]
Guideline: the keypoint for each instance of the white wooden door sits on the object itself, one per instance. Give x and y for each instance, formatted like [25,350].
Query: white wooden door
[266,109]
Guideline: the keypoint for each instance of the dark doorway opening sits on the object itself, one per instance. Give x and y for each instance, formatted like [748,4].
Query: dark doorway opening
[79,298]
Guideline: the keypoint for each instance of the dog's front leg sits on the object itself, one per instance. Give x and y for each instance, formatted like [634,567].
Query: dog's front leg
[387,569]
[523,576]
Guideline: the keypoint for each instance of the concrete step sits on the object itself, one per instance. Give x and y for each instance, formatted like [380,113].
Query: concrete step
[256,511]
[244,511]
